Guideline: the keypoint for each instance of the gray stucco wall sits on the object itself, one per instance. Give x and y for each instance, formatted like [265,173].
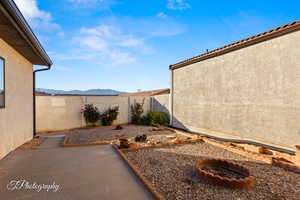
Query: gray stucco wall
[252,93]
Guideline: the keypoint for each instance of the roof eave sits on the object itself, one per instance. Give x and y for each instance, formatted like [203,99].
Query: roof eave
[19,22]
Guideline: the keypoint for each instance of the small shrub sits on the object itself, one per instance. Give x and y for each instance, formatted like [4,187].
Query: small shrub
[140,138]
[156,118]
[109,116]
[136,112]
[118,127]
[144,120]
[91,114]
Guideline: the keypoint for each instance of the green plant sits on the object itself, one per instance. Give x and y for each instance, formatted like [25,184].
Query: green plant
[136,112]
[144,120]
[140,138]
[91,114]
[156,118]
[118,127]
[109,116]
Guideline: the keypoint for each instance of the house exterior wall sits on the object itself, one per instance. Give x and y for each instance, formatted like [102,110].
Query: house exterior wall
[16,119]
[56,113]
[1,98]
[251,93]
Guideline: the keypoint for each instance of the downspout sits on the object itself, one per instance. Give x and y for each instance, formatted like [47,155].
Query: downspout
[34,98]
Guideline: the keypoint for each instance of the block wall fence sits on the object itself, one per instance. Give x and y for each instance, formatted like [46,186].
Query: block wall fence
[56,113]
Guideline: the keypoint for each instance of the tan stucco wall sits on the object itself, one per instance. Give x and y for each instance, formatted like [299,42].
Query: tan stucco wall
[252,93]
[64,112]
[16,126]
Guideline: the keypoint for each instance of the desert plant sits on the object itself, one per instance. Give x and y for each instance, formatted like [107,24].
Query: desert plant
[109,116]
[118,127]
[156,118]
[140,138]
[91,114]
[144,120]
[136,112]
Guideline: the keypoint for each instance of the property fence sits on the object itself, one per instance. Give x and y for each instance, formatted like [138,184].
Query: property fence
[161,103]
[64,112]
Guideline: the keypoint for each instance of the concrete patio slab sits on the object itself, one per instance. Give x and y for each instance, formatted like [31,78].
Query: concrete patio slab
[93,172]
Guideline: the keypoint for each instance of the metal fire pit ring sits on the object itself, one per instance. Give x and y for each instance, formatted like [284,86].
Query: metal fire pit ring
[243,183]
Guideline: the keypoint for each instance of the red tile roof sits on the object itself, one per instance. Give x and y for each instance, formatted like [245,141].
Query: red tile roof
[275,32]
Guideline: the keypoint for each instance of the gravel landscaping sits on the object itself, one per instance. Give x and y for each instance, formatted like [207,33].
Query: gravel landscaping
[171,170]
[109,134]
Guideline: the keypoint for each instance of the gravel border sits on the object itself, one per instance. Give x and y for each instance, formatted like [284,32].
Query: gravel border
[171,171]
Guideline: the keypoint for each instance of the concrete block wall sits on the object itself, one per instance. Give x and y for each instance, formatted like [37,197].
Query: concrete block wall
[161,103]
[64,112]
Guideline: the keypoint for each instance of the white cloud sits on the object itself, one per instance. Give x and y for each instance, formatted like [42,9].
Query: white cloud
[131,42]
[121,58]
[161,15]
[108,36]
[85,1]
[105,31]
[30,10]
[73,56]
[118,41]
[95,43]
[178,5]
[36,17]
[92,4]
[110,43]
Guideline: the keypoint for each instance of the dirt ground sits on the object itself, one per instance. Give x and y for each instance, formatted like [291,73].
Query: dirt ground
[108,133]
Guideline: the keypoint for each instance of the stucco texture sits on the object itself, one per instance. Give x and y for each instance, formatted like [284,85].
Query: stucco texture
[56,113]
[161,103]
[16,119]
[252,93]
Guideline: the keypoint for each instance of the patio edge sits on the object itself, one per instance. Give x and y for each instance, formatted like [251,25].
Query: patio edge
[140,176]
[66,139]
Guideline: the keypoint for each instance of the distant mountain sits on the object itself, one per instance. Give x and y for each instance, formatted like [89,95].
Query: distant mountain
[82,92]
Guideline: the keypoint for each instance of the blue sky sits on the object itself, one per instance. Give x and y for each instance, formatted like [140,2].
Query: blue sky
[128,45]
